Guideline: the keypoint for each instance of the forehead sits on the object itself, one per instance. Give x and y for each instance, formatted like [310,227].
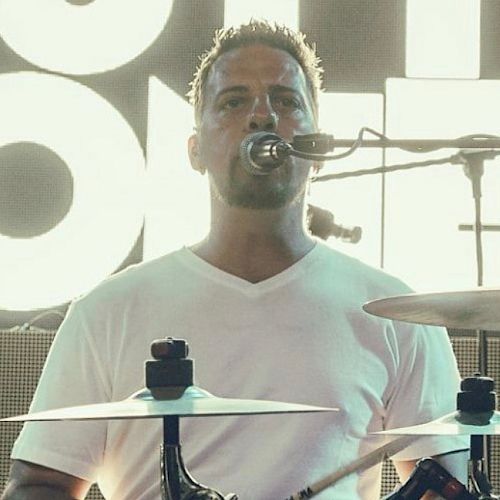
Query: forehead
[255,66]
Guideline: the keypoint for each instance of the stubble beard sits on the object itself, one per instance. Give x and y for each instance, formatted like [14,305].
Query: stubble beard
[259,193]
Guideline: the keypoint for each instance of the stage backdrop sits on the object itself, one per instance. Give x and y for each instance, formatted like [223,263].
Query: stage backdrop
[94,172]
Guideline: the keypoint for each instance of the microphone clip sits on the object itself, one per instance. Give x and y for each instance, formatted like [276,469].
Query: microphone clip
[313,143]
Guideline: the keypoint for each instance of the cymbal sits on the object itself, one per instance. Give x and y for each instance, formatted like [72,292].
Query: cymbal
[456,423]
[194,402]
[477,309]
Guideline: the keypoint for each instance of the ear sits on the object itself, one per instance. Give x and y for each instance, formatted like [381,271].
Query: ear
[194,153]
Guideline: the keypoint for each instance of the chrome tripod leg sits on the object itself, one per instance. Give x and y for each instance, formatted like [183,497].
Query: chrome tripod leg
[479,483]
[176,482]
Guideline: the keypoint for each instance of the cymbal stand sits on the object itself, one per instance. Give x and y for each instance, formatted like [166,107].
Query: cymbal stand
[176,482]
[478,474]
[167,377]
[476,403]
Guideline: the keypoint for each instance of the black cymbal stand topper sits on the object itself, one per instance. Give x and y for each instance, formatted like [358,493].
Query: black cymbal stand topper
[167,377]
[476,405]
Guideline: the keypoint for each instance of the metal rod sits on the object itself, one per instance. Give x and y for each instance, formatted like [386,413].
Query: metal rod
[484,227]
[424,144]
[474,169]
[170,474]
[171,430]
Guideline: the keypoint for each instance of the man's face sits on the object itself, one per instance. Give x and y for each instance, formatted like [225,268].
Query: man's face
[250,89]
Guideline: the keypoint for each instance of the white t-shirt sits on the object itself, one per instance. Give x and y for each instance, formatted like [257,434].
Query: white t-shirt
[300,336]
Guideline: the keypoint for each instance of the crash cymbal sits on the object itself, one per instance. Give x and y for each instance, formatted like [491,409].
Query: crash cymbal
[194,402]
[477,309]
[456,423]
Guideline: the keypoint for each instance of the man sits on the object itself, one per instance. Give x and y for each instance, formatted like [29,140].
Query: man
[268,311]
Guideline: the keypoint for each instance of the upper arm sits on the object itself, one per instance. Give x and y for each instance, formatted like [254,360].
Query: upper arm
[75,447]
[426,380]
[28,475]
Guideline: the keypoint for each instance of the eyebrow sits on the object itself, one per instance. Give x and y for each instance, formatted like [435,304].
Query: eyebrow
[234,88]
[244,89]
[284,88]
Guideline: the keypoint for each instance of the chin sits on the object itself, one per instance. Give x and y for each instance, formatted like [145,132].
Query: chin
[264,199]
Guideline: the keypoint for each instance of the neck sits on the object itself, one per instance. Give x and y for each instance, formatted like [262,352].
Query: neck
[255,244]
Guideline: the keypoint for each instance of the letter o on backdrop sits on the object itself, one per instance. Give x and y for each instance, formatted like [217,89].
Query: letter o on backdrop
[81,39]
[107,164]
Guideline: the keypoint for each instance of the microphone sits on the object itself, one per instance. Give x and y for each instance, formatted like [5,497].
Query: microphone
[429,475]
[262,152]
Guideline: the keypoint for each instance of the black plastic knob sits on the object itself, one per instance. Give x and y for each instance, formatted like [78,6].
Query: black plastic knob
[171,366]
[477,395]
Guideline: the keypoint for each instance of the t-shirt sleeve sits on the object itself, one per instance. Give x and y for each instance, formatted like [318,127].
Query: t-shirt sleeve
[73,375]
[425,389]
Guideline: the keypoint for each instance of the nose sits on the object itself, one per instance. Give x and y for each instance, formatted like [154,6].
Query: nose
[262,116]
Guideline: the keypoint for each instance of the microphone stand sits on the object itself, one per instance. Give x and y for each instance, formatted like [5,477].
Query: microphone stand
[473,162]
[480,453]
[322,143]
[474,168]
[315,146]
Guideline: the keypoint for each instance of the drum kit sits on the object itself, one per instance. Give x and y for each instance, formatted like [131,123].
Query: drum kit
[170,395]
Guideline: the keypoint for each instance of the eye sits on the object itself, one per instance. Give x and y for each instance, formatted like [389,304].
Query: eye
[288,102]
[232,103]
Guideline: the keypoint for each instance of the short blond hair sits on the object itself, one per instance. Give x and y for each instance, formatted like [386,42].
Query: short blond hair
[257,32]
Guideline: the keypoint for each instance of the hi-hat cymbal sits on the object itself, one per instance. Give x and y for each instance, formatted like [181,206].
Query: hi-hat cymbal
[194,402]
[477,309]
[456,423]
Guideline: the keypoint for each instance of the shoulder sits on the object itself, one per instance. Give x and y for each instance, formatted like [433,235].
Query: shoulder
[136,282]
[358,277]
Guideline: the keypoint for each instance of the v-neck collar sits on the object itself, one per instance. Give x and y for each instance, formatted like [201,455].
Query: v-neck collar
[197,264]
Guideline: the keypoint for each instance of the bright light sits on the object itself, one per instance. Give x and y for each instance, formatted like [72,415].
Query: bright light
[425,206]
[354,202]
[107,165]
[284,12]
[81,39]
[177,197]
[442,38]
